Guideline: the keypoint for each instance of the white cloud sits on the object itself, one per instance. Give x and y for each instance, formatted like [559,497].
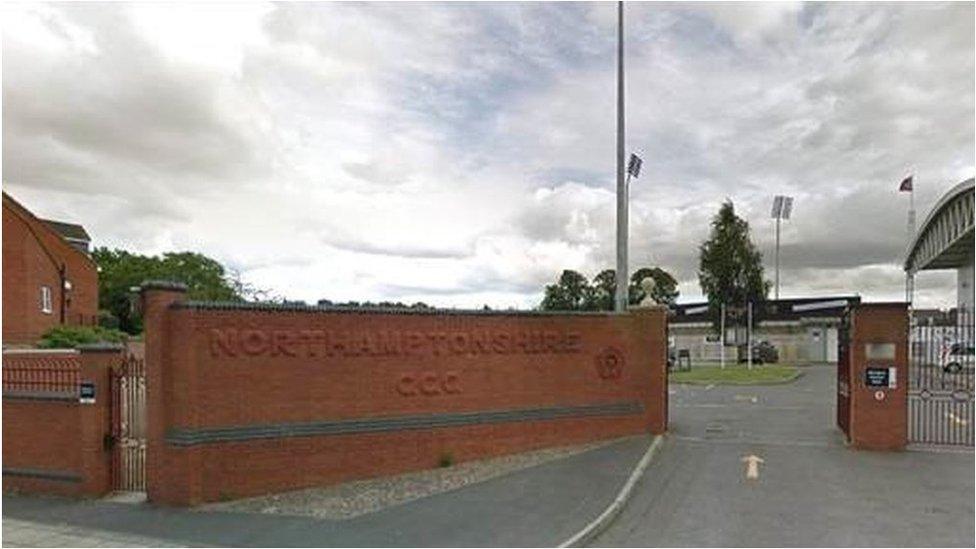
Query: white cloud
[463,154]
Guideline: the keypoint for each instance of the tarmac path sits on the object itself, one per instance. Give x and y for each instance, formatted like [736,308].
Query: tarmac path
[810,489]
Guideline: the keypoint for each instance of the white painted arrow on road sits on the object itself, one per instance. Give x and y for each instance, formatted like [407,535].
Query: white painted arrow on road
[752,467]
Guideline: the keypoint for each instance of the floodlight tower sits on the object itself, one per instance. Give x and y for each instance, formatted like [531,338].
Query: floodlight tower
[621,294]
[782,207]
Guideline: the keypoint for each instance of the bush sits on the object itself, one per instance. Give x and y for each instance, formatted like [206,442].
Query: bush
[446,460]
[107,319]
[70,337]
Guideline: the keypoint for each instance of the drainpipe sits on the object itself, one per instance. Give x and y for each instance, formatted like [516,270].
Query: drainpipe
[62,278]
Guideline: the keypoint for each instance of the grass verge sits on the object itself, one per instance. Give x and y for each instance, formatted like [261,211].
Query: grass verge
[736,375]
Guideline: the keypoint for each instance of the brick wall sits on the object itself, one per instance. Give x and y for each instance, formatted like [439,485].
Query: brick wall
[32,253]
[257,400]
[879,416]
[52,443]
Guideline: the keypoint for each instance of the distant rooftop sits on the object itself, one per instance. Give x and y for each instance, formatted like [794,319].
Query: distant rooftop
[75,234]
[772,309]
[71,231]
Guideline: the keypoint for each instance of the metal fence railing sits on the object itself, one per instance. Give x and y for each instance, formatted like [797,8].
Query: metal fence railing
[41,373]
[941,380]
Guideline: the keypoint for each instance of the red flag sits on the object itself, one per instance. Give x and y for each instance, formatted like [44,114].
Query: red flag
[906,185]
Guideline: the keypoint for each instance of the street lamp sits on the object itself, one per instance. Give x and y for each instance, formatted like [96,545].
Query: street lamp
[782,207]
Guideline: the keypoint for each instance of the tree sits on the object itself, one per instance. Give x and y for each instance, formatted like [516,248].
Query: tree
[571,293]
[665,286]
[119,271]
[730,267]
[604,287]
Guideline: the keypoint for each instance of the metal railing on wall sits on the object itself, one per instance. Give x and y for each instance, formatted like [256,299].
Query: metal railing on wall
[41,373]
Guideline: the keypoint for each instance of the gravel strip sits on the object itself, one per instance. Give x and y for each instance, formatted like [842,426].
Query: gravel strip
[352,499]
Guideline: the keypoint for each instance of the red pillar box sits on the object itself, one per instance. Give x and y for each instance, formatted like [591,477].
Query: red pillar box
[879,376]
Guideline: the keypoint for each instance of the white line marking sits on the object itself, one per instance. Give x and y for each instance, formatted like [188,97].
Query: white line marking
[752,462]
[956,419]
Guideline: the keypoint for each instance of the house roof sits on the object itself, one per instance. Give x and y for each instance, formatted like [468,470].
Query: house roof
[32,220]
[70,231]
[773,309]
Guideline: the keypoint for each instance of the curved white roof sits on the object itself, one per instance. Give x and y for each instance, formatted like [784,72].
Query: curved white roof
[945,238]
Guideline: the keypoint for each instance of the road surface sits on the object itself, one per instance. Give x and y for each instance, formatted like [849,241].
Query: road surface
[810,490]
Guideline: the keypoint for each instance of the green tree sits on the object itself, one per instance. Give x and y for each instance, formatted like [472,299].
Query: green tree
[604,286]
[665,286]
[730,267]
[119,271]
[571,293]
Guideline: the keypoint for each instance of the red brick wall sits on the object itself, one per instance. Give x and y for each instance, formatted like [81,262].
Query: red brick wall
[879,424]
[26,267]
[57,445]
[247,370]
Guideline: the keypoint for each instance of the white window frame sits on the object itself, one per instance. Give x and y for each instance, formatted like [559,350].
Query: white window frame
[47,303]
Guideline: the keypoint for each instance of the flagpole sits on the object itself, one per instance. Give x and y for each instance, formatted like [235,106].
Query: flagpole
[909,277]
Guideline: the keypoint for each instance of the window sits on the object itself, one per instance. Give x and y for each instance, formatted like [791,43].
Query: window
[46,300]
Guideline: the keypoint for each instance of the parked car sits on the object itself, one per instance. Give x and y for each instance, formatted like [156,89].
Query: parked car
[957,357]
[763,352]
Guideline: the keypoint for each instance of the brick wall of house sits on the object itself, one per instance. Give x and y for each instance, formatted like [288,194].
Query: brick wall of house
[52,443]
[32,252]
[257,400]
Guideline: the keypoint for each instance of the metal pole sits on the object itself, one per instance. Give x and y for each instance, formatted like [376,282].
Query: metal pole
[620,301]
[749,334]
[721,338]
[777,258]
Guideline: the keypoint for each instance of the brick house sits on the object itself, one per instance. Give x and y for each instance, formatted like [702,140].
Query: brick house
[49,278]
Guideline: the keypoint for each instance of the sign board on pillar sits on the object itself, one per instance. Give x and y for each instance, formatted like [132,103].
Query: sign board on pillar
[880,377]
[86,394]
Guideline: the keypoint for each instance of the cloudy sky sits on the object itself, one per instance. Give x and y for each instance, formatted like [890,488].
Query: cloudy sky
[463,154]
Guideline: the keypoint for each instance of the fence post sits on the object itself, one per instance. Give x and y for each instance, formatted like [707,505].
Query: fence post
[156,298]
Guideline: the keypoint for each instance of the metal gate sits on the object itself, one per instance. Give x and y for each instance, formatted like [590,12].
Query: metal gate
[940,380]
[844,373]
[129,425]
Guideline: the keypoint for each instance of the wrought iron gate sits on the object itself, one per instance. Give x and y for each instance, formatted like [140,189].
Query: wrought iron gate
[844,373]
[940,380]
[129,425]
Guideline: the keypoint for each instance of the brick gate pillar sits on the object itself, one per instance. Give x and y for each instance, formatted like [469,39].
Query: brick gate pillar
[97,362]
[879,376]
[156,298]
[650,331]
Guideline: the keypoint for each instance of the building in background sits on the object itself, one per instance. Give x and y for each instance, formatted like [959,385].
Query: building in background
[945,241]
[49,278]
[801,330]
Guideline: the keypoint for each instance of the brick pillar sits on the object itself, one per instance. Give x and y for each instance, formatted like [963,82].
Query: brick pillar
[156,298]
[95,420]
[879,351]
[650,329]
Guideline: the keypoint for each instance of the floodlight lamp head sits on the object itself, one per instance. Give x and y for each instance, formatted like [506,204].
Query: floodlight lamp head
[634,166]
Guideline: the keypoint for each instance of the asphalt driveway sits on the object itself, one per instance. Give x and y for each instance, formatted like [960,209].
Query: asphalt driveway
[811,490]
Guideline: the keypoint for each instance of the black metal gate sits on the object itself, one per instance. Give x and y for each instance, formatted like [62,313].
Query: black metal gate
[129,425]
[940,380]
[844,374]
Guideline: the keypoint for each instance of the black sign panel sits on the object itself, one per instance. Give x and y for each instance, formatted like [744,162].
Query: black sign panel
[876,377]
[87,391]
